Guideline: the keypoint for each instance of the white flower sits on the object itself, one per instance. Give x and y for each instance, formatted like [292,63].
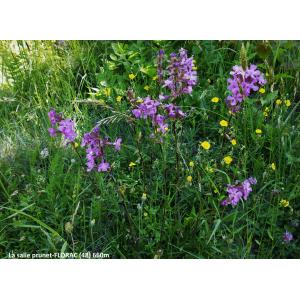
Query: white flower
[44,153]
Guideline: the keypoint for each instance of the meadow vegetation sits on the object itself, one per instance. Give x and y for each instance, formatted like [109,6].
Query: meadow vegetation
[149,163]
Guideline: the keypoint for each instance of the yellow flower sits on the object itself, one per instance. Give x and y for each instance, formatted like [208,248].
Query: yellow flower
[107,91]
[287,103]
[144,196]
[191,164]
[215,99]
[262,90]
[119,98]
[284,203]
[258,131]
[228,160]
[131,76]
[273,166]
[154,78]
[139,100]
[278,102]
[132,164]
[223,123]
[194,68]
[233,142]
[146,87]
[189,179]
[205,145]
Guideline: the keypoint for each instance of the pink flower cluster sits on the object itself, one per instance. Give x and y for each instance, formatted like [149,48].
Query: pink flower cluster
[242,83]
[66,127]
[95,145]
[149,109]
[238,192]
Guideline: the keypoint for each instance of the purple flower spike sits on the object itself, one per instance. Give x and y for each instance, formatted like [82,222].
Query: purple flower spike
[182,74]
[242,84]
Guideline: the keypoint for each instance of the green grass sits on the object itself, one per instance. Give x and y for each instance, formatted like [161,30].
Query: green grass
[53,205]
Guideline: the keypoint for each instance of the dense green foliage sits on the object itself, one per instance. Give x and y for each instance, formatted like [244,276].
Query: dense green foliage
[52,204]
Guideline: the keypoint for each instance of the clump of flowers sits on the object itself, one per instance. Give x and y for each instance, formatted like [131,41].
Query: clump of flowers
[287,237]
[182,75]
[181,79]
[95,150]
[238,192]
[242,84]
[66,127]
[149,109]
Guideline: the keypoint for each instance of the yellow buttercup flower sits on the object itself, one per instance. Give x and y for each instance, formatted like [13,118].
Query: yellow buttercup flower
[154,78]
[278,102]
[273,166]
[233,142]
[262,90]
[146,87]
[258,131]
[287,103]
[119,98]
[132,164]
[215,99]
[189,179]
[205,145]
[284,203]
[223,123]
[131,76]
[191,164]
[144,196]
[228,160]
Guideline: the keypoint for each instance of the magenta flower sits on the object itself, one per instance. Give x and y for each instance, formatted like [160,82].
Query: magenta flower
[117,144]
[287,237]
[95,150]
[148,108]
[242,84]
[52,131]
[65,127]
[103,167]
[174,111]
[54,117]
[181,74]
[238,192]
